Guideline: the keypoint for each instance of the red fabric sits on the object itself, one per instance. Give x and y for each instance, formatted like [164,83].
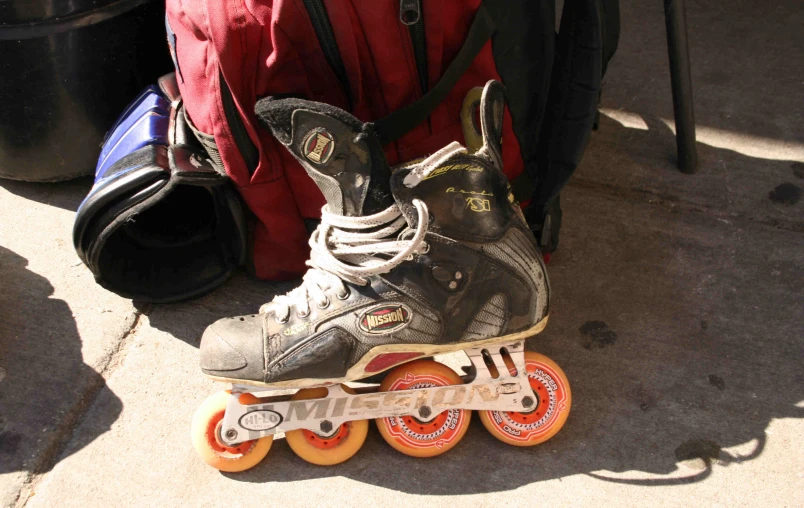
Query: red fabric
[269,47]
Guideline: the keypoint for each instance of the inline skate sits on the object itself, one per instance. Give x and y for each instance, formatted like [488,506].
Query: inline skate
[433,257]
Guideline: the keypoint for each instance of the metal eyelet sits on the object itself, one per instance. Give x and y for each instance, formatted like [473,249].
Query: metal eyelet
[426,248]
[326,304]
[345,295]
[303,315]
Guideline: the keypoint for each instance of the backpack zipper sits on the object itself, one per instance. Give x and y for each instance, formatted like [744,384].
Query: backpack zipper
[326,39]
[251,156]
[410,14]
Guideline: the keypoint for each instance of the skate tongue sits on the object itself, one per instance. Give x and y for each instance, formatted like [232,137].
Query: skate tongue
[341,154]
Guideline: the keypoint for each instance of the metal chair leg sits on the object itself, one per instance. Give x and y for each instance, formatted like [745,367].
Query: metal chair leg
[678,50]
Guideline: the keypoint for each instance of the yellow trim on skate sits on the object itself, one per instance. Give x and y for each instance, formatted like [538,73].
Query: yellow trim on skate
[357,371]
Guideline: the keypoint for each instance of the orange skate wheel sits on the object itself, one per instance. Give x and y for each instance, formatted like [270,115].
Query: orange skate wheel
[327,451]
[553,397]
[412,436]
[206,441]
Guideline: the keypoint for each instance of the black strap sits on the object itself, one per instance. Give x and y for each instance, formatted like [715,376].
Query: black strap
[522,186]
[207,141]
[402,121]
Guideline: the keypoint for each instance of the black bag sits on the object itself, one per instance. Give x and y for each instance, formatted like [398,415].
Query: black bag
[586,41]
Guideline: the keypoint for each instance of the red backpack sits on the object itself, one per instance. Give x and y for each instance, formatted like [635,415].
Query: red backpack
[406,65]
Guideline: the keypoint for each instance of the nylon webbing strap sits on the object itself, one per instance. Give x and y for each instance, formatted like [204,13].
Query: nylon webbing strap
[398,123]
[208,142]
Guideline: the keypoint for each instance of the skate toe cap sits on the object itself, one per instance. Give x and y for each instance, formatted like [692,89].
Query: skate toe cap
[226,347]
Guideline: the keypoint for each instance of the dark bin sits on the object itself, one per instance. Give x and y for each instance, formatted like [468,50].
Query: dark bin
[67,70]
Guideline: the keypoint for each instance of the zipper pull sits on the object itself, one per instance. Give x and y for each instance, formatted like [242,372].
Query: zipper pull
[409,11]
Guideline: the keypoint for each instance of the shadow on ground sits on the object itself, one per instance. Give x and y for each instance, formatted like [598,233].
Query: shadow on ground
[240,295]
[44,383]
[66,195]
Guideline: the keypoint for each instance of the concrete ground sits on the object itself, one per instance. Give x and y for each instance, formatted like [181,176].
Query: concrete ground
[678,316]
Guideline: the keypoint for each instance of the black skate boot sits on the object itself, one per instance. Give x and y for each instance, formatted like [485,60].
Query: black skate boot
[434,258]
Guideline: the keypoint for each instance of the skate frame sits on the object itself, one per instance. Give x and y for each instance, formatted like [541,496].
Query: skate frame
[493,388]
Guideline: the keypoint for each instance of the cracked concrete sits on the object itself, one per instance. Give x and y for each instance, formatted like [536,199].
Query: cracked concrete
[59,331]
[678,316]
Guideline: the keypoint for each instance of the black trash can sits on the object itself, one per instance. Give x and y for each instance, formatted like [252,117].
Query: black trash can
[67,70]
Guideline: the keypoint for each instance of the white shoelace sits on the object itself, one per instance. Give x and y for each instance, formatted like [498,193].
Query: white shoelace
[425,167]
[352,249]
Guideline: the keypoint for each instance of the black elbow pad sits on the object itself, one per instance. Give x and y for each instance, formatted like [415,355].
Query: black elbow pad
[161,223]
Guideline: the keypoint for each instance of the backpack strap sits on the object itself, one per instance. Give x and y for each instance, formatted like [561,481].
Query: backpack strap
[402,121]
[523,187]
[572,105]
